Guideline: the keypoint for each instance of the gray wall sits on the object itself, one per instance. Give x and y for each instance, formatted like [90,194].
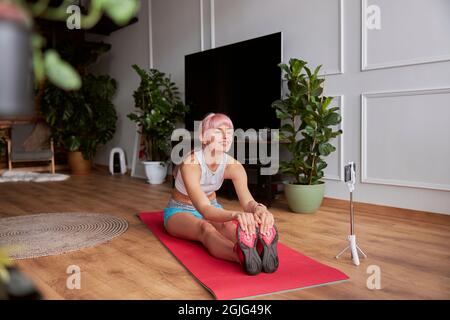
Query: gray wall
[392,83]
[130,45]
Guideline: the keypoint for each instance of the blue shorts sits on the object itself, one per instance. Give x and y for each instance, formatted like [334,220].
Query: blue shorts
[174,207]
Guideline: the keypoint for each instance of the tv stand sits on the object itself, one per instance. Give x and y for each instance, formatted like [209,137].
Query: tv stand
[262,190]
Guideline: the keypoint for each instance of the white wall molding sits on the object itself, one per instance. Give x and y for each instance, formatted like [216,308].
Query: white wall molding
[134,172]
[341,40]
[212,20]
[137,136]
[202,29]
[392,182]
[388,64]
[150,35]
[340,69]
[340,148]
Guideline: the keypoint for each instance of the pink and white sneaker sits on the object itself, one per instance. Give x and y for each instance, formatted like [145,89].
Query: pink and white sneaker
[267,247]
[247,253]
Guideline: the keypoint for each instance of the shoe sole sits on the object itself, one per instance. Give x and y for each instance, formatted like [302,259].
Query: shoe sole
[270,259]
[253,263]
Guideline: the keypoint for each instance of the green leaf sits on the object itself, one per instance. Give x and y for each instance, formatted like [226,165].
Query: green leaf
[37,42]
[332,119]
[310,122]
[288,127]
[281,115]
[74,143]
[308,72]
[316,71]
[309,108]
[38,66]
[60,72]
[310,131]
[317,91]
[296,66]
[326,102]
[284,67]
[333,109]
[321,165]
[335,133]
[121,11]
[326,148]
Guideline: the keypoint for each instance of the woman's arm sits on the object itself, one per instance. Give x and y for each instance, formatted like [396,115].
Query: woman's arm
[262,216]
[236,172]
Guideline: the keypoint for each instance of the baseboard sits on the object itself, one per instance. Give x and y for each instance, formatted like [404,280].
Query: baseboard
[105,168]
[366,208]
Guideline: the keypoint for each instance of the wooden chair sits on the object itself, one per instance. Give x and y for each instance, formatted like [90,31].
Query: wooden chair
[18,153]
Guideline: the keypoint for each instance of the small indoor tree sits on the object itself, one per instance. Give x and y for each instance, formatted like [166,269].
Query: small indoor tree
[308,129]
[158,108]
[81,120]
[84,119]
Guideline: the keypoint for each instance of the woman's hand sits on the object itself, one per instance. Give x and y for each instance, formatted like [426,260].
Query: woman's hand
[246,221]
[263,218]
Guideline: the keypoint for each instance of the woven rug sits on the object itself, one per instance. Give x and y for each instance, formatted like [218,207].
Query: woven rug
[48,234]
[14,176]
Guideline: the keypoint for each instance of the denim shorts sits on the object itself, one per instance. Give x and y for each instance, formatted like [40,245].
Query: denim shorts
[174,206]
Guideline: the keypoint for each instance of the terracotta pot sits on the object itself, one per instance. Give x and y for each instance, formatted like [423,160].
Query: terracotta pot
[78,165]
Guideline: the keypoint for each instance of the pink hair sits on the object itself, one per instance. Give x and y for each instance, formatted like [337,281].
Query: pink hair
[214,120]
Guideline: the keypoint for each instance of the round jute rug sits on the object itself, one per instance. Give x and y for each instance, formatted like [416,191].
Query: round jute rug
[48,234]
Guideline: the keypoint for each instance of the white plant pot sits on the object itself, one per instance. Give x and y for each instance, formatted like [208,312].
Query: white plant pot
[156,171]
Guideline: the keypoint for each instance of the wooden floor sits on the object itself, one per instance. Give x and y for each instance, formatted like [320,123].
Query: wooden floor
[411,248]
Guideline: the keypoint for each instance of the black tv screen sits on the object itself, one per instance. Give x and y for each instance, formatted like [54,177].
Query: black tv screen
[241,80]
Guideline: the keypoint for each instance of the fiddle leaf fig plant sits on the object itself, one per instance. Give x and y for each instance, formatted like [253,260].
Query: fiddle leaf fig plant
[309,140]
[158,107]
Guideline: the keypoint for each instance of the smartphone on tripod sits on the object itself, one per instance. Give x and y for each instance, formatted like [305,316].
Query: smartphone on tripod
[350,179]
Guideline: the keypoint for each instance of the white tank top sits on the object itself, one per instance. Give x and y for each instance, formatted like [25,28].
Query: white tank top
[210,181]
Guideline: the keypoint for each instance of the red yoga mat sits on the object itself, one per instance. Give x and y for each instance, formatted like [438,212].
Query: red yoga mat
[227,280]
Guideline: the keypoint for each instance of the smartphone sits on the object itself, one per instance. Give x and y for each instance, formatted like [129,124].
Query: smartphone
[348,171]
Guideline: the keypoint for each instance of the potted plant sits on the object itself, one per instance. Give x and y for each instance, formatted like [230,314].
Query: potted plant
[81,120]
[308,141]
[158,107]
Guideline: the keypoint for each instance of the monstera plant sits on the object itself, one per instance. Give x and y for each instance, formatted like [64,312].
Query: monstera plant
[309,118]
[81,120]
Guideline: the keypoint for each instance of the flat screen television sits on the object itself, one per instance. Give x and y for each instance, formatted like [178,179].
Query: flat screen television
[241,80]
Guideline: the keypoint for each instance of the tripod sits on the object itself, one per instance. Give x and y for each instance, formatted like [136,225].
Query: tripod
[350,178]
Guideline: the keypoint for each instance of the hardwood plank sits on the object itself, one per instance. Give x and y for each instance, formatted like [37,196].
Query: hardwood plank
[412,248]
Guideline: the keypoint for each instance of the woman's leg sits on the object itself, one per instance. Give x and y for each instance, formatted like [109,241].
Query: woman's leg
[185,225]
[227,229]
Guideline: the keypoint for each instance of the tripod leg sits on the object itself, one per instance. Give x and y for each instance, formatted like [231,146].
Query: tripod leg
[337,256]
[365,256]
[354,251]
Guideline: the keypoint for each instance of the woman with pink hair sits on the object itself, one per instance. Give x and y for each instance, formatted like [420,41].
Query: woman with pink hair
[248,237]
